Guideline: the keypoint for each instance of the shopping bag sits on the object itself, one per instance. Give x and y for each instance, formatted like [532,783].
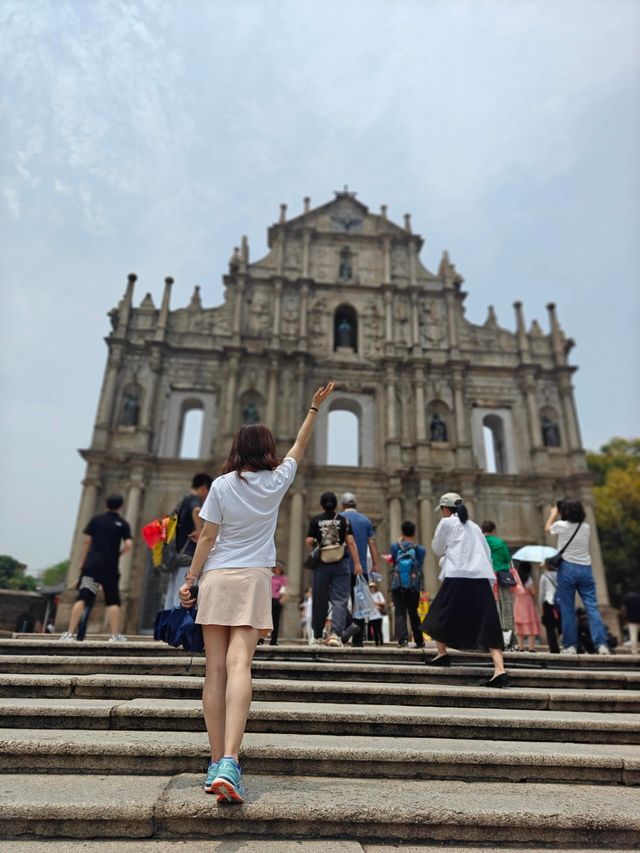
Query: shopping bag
[363,604]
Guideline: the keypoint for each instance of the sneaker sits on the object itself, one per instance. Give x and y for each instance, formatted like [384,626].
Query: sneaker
[118,638]
[212,772]
[67,637]
[604,650]
[334,640]
[228,782]
[569,650]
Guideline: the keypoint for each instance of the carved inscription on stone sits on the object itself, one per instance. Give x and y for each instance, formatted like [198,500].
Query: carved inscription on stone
[373,329]
[320,327]
[433,324]
[290,315]
[402,321]
[258,315]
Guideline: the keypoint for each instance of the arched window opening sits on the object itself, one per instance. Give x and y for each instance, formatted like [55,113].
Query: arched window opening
[550,428]
[343,445]
[345,329]
[495,454]
[190,441]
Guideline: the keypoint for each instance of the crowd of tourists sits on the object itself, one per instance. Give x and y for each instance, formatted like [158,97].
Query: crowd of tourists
[224,538]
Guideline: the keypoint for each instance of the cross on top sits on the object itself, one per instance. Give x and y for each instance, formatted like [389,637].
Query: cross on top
[344,193]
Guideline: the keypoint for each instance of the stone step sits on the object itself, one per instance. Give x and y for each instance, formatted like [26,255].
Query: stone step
[249,845]
[327,718]
[292,651]
[279,690]
[328,670]
[304,807]
[167,753]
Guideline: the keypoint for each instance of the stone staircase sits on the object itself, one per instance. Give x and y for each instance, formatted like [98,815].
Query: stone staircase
[346,749]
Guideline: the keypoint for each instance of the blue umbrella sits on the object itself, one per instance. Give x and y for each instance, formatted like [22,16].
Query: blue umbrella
[534,553]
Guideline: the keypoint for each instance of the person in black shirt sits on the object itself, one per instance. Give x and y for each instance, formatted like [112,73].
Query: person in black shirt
[187,532]
[331,534]
[106,538]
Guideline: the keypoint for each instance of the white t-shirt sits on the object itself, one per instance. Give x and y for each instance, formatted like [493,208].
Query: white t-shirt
[578,551]
[463,550]
[247,512]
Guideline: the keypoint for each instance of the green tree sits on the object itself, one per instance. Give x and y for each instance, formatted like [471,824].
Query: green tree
[55,574]
[616,471]
[13,574]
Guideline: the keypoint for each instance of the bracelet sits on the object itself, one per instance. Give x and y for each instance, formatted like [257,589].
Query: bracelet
[313,409]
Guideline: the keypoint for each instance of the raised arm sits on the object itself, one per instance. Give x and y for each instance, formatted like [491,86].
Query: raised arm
[553,517]
[304,434]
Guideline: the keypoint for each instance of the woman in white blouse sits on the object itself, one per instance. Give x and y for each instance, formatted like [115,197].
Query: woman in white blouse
[464,612]
[235,553]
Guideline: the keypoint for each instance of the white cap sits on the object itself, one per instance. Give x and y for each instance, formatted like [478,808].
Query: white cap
[450,499]
[348,498]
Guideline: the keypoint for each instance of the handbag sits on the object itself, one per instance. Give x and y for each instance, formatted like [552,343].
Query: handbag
[554,562]
[505,579]
[332,553]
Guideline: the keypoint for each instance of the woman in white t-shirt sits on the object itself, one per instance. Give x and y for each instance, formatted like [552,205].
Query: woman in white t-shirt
[567,522]
[235,553]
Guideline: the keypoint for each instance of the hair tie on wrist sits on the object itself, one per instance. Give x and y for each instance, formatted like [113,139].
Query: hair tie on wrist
[313,409]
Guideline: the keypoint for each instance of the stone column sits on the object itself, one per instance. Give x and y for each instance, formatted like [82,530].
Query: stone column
[131,514]
[306,253]
[304,310]
[88,507]
[388,320]
[427,526]
[392,420]
[277,311]
[420,412]
[294,564]
[570,419]
[237,306]
[463,457]
[272,395]
[415,323]
[230,401]
[105,414]
[395,517]
[386,249]
[450,301]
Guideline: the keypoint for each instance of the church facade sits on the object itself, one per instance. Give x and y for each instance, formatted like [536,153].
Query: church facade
[441,404]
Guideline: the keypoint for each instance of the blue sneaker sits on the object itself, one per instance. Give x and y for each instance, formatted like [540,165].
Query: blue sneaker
[228,782]
[212,772]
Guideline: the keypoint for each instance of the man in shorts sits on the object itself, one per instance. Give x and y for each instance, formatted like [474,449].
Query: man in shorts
[106,538]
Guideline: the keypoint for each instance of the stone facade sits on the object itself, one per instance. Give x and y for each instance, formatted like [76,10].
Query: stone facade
[341,294]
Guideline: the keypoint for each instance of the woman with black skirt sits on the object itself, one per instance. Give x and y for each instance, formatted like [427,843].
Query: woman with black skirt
[464,613]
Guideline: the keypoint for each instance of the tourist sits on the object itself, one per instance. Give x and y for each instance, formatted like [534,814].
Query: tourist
[525,611]
[501,560]
[407,561]
[107,537]
[464,613]
[567,522]
[330,533]
[365,538]
[188,529]
[630,612]
[375,625]
[234,555]
[278,599]
[547,593]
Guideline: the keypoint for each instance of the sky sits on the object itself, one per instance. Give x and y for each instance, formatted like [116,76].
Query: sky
[147,135]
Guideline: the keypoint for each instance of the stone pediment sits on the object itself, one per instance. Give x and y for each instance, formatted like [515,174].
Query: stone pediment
[344,216]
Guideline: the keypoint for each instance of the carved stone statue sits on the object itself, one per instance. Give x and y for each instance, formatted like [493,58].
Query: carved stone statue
[438,428]
[550,432]
[346,270]
[130,411]
[344,335]
[250,414]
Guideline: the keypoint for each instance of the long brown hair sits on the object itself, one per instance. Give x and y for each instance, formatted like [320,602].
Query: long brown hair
[253,449]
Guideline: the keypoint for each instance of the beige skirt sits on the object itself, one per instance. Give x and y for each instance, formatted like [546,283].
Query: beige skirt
[235,597]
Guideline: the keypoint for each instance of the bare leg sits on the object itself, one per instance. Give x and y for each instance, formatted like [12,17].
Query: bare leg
[76,612]
[498,661]
[442,649]
[216,641]
[531,642]
[242,645]
[113,612]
